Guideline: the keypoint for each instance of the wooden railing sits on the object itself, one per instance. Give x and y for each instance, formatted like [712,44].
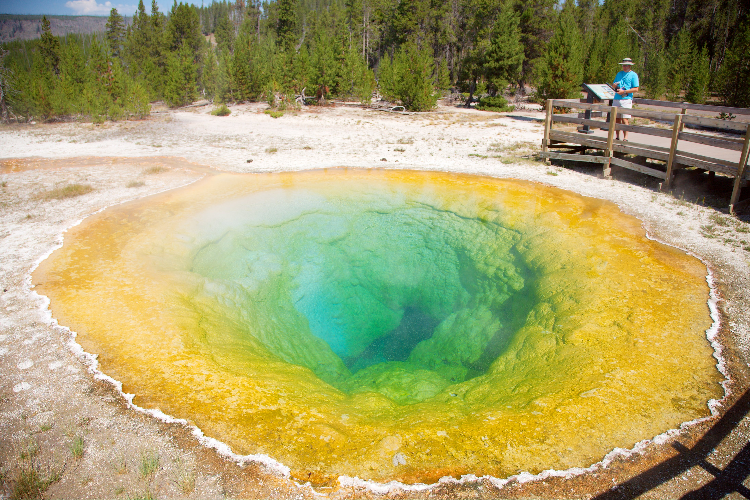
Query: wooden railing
[673,157]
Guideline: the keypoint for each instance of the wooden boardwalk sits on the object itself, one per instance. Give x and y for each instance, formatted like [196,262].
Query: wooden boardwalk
[710,144]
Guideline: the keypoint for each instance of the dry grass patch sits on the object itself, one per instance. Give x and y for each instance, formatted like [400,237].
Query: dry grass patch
[69,191]
[155,170]
[135,184]
[515,147]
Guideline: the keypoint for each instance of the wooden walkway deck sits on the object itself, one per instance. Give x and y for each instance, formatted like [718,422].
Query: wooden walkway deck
[717,146]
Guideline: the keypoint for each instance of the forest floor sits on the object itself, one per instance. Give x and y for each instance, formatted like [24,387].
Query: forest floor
[65,433]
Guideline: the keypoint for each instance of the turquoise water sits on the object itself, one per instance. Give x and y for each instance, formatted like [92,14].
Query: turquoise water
[398,298]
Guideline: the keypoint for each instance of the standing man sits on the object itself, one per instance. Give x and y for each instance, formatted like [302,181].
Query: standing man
[625,85]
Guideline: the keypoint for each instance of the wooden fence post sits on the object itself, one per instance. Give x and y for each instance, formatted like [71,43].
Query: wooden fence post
[607,170]
[682,124]
[547,127]
[741,168]
[673,150]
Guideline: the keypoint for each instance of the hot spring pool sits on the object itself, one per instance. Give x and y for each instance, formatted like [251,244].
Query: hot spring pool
[392,324]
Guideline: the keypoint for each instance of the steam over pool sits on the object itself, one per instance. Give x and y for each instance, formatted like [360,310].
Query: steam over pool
[392,325]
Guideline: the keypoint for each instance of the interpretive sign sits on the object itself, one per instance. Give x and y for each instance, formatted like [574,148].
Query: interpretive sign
[601,90]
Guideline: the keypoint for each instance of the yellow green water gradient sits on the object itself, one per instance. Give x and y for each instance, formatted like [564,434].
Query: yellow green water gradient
[392,324]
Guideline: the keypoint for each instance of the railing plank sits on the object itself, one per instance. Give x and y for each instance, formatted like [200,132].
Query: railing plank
[579,121]
[584,140]
[575,157]
[715,123]
[705,165]
[698,107]
[639,129]
[710,141]
[643,150]
[638,168]
[707,159]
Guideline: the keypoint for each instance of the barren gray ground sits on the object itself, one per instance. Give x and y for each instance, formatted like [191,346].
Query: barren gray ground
[74,436]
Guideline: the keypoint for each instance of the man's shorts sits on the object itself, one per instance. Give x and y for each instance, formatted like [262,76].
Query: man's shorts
[623,103]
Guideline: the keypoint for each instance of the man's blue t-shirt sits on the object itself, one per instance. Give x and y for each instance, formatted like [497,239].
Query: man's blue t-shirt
[627,81]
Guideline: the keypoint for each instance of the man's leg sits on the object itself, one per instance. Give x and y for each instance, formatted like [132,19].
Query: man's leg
[617,131]
[625,121]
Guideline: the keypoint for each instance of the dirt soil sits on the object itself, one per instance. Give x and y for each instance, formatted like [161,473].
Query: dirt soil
[67,432]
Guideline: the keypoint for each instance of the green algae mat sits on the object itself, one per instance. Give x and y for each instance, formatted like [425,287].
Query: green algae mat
[392,325]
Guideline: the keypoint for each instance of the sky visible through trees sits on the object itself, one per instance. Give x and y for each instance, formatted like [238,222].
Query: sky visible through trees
[410,51]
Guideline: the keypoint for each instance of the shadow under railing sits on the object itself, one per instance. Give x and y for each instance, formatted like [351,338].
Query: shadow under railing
[726,481]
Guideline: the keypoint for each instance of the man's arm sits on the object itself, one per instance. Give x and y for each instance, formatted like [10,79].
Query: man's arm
[629,91]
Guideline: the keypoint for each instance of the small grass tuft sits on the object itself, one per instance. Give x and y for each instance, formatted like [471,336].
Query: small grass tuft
[120,464]
[307,148]
[76,447]
[158,169]
[185,480]
[136,184]
[550,172]
[32,482]
[272,150]
[399,150]
[4,184]
[69,191]
[149,464]
[719,220]
[407,140]
[273,113]
[222,110]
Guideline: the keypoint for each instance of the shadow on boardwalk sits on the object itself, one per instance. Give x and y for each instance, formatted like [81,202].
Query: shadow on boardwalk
[690,186]
[726,481]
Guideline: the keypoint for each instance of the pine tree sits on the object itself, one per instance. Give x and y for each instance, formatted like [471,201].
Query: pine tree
[561,72]
[183,28]
[386,78]
[6,76]
[115,32]
[680,55]
[49,47]
[655,78]
[225,34]
[73,76]
[734,76]
[209,75]
[412,78]
[537,23]
[180,85]
[325,70]
[286,24]
[137,50]
[443,76]
[700,77]
[504,60]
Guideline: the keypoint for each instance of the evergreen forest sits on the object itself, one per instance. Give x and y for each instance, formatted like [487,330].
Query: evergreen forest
[288,52]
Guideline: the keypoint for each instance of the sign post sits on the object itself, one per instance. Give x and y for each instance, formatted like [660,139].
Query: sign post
[595,93]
